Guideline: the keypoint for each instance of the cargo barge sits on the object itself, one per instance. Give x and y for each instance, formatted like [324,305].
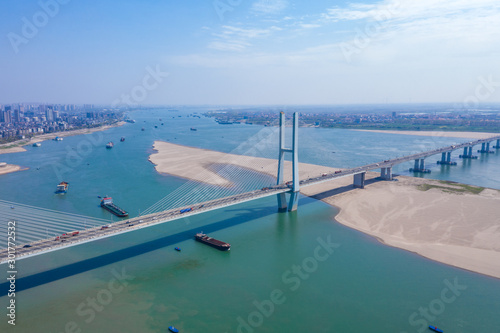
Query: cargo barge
[220,245]
[107,203]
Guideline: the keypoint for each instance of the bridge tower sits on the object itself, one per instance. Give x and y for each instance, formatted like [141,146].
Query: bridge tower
[294,197]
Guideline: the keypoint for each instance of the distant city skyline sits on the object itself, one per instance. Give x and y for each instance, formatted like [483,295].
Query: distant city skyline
[263,52]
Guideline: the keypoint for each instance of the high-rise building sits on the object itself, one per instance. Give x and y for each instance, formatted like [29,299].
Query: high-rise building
[17,116]
[49,114]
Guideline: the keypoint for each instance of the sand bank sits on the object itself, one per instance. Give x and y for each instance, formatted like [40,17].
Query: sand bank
[11,168]
[459,229]
[16,146]
[463,135]
[195,164]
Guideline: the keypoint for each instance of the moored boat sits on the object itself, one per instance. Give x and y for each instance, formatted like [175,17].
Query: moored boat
[110,145]
[122,139]
[62,187]
[220,245]
[37,144]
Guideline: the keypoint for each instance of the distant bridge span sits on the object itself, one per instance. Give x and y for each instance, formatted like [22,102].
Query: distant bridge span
[89,235]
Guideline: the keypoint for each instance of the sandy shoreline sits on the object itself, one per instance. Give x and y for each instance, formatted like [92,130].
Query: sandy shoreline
[459,229]
[442,134]
[40,138]
[11,168]
[194,164]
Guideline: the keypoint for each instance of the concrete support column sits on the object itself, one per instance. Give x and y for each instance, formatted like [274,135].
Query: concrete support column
[487,146]
[282,204]
[498,143]
[388,173]
[443,157]
[465,151]
[359,180]
[382,173]
[483,146]
[416,165]
[294,198]
[422,165]
[470,151]
[448,158]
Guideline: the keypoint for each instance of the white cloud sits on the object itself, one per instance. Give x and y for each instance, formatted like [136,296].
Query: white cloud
[269,6]
[237,39]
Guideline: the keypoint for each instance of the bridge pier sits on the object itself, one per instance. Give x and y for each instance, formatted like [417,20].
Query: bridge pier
[386,173]
[468,153]
[446,159]
[294,197]
[485,148]
[420,166]
[497,146]
[359,180]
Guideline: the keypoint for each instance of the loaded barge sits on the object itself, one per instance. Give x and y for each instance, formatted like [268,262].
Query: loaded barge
[107,203]
[220,245]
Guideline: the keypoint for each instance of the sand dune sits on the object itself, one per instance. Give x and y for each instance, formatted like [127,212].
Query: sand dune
[10,168]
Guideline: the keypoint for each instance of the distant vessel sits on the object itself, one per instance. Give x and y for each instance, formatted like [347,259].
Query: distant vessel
[62,187]
[173,329]
[132,121]
[37,144]
[193,129]
[178,249]
[122,139]
[142,129]
[109,145]
[201,237]
[107,203]
[58,138]
[435,329]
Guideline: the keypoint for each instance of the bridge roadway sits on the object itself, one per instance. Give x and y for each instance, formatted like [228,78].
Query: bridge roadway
[92,234]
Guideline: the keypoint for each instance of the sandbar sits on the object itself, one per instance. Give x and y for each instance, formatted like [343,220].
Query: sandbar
[11,168]
[456,228]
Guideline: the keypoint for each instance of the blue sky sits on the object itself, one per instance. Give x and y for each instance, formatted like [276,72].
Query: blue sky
[250,52]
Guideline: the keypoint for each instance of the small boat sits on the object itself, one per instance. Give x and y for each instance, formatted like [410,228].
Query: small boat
[193,129]
[37,144]
[178,249]
[173,329]
[122,139]
[109,145]
[435,329]
[58,138]
[142,129]
[62,187]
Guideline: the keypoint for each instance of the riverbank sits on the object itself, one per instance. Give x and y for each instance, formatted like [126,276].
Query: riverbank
[453,224]
[11,168]
[17,146]
[442,134]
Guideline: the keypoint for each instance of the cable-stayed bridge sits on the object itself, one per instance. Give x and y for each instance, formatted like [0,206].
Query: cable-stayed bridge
[201,200]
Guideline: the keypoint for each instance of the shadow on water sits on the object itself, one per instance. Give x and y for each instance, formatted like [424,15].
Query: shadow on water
[245,216]
[82,266]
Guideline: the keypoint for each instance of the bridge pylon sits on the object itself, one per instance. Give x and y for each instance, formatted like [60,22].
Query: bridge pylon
[294,197]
